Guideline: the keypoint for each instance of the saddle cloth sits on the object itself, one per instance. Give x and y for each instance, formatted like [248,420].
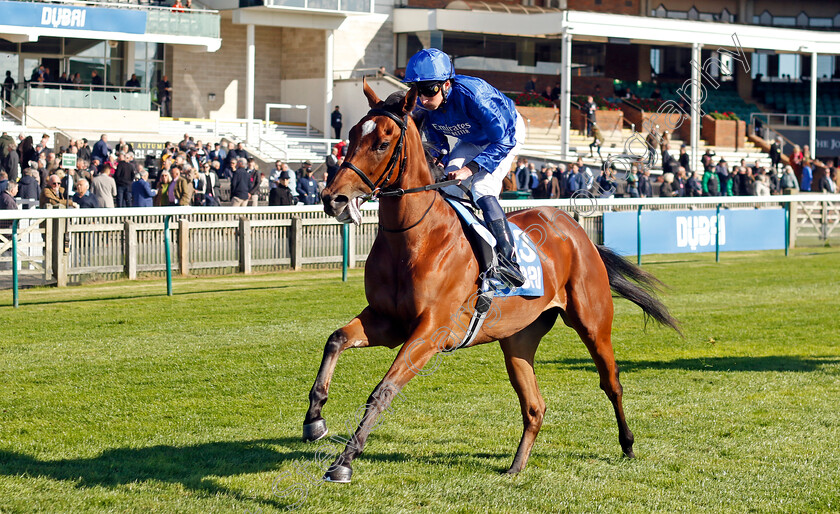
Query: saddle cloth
[484,243]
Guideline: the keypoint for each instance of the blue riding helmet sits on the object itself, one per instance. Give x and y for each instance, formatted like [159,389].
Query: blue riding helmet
[429,65]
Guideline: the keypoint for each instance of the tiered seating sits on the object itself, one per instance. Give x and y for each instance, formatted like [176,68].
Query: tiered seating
[795,98]
[722,99]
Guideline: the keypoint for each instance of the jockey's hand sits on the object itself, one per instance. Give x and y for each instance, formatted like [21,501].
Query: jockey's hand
[461,174]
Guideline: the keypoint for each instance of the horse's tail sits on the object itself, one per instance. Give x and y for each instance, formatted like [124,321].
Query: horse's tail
[642,290]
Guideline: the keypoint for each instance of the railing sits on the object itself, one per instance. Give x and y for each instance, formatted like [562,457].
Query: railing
[793,120]
[62,246]
[365,6]
[89,96]
[163,19]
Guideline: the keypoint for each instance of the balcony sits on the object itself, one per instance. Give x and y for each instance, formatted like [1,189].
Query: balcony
[135,21]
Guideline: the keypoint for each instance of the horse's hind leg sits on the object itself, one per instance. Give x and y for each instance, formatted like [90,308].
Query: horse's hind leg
[366,329]
[519,350]
[594,326]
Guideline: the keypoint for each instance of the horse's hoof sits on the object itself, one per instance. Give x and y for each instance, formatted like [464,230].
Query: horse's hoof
[314,431]
[338,474]
[629,453]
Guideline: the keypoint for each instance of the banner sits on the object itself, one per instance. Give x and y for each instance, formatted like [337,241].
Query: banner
[57,16]
[695,231]
[828,141]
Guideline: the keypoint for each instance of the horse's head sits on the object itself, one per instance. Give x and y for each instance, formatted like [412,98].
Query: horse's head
[375,156]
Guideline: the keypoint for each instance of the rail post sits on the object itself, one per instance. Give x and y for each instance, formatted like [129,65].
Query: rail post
[14,263]
[345,250]
[639,236]
[717,233]
[167,244]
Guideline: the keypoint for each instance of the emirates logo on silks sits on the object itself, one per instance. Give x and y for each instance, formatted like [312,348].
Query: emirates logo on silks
[453,130]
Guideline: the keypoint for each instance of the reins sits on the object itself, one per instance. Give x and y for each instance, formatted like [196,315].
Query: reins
[382,187]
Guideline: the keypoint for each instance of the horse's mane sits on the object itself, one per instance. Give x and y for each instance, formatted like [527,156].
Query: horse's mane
[394,104]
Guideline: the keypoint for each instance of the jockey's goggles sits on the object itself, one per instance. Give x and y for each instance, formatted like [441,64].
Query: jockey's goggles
[429,89]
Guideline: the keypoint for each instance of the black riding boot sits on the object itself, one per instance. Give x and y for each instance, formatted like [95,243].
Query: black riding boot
[508,269]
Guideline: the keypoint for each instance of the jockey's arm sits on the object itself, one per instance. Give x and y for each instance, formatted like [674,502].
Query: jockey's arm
[497,126]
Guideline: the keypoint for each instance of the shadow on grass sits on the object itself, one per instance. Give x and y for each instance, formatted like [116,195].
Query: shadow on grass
[195,467]
[766,363]
[140,295]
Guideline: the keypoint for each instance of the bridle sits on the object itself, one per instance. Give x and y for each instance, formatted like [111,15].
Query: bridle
[382,187]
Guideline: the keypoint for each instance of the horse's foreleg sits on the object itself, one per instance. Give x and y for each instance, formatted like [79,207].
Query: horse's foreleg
[519,351]
[366,329]
[410,360]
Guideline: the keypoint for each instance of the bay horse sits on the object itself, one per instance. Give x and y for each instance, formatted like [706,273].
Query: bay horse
[421,270]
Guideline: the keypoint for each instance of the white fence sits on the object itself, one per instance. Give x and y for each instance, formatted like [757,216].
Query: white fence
[63,246]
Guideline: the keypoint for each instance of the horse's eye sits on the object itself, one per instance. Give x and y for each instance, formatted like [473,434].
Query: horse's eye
[383,146]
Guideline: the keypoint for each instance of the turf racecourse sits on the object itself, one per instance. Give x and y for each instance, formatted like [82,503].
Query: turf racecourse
[116,398]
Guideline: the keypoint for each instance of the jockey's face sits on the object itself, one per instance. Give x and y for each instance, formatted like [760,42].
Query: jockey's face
[430,103]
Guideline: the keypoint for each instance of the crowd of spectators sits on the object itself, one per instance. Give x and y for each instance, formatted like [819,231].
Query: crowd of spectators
[189,172]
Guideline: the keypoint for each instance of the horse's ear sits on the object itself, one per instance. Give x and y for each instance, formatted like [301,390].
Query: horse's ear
[409,101]
[373,100]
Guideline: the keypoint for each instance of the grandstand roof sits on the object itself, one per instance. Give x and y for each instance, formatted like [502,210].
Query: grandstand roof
[590,26]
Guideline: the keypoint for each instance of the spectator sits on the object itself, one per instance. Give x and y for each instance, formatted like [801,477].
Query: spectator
[711,183]
[685,160]
[4,179]
[104,187]
[307,187]
[706,159]
[667,188]
[165,95]
[95,79]
[588,109]
[342,146]
[183,188]
[555,92]
[8,86]
[788,182]
[332,163]
[724,180]
[53,193]
[27,152]
[666,138]
[281,194]
[178,6]
[162,196]
[668,162]
[776,152]
[523,176]
[693,186]
[301,172]
[77,80]
[828,182]
[762,185]
[531,85]
[186,144]
[83,199]
[199,183]
[11,162]
[211,190]
[7,200]
[141,191]
[548,186]
[101,150]
[133,81]
[335,122]
[509,182]
[546,93]
[596,141]
[240,184]
[606,182]
[124,177]
[807,176]
[28,186]
[652,140]
[255,177]
[795,159]
[645,184]
[576,181]
[632,179]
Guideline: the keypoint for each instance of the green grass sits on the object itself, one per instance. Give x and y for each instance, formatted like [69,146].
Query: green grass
[116,398]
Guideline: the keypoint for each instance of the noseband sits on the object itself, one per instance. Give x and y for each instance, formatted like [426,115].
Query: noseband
[376,188]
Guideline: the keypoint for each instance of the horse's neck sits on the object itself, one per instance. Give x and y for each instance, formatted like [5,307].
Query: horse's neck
[403,211]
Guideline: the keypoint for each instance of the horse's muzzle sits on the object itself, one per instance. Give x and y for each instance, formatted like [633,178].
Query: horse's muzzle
[342,208]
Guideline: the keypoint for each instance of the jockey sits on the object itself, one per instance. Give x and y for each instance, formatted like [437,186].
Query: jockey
[489,131]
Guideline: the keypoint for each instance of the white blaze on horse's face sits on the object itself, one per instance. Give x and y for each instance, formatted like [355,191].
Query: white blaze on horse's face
[367,127]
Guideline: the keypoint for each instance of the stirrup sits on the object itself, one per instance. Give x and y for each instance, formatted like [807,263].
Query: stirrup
[509,272]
